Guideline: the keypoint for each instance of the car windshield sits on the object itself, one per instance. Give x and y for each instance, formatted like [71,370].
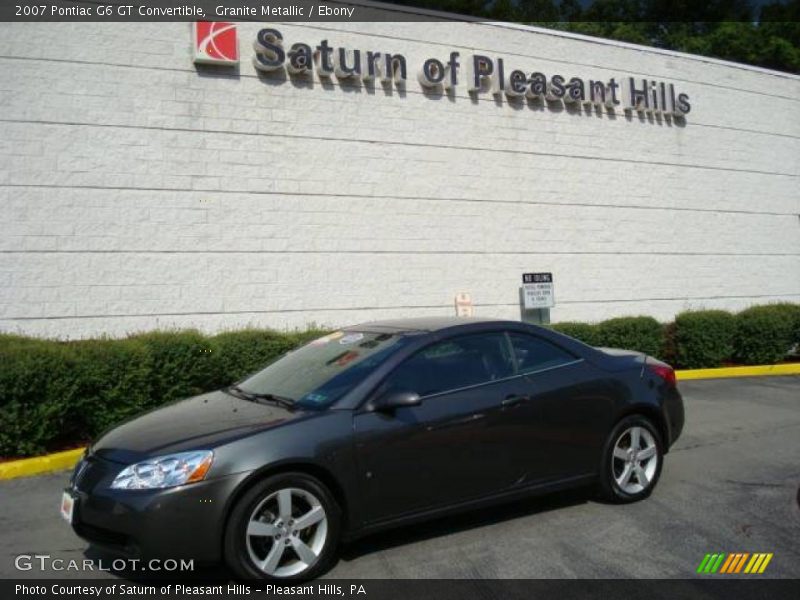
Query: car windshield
[324,370]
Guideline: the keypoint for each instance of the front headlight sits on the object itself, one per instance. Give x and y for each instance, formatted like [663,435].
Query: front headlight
[165,471]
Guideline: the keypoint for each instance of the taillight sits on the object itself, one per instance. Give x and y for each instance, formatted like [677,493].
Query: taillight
[666,373]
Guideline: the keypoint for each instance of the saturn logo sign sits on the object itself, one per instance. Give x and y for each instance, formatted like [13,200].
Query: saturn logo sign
[215,43]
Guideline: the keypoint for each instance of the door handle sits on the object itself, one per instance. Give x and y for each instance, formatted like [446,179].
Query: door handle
[513,400]
[456,422]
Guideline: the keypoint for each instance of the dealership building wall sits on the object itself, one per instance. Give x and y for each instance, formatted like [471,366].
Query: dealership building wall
[138,191]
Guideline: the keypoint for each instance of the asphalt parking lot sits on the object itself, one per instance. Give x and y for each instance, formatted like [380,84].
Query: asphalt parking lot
[730,484]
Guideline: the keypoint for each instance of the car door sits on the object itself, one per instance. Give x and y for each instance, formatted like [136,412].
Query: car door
[447,449]
[559,427]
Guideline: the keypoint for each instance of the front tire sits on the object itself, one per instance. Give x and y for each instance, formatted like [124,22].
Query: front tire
[285,528]
[632,460]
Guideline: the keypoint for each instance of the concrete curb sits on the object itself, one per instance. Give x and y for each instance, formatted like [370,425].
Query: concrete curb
[66,460]
[40,464]
[754,371]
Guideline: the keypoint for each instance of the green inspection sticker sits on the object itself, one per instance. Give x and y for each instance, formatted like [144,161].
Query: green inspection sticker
[315,398]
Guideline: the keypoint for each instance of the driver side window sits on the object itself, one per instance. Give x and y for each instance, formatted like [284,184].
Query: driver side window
[535,354]
[452,364]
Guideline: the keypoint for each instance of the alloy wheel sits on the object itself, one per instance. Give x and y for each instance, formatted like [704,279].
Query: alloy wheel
[634,460]
[286,532]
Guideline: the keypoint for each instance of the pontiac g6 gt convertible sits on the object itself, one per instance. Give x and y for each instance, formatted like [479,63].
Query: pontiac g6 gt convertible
[374,426]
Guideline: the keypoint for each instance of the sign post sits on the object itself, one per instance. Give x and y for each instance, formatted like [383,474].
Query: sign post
[537,297]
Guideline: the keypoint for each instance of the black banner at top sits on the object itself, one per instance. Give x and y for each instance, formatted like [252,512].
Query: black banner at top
[348,10]
[213,10]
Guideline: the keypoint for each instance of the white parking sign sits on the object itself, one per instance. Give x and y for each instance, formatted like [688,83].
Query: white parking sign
[537,290]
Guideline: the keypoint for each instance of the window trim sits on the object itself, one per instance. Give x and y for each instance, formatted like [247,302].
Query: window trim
[509,348]
[372,394]
[509,333]
[509,378]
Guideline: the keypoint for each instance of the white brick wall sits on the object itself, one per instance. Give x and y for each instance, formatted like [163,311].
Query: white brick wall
[138,193]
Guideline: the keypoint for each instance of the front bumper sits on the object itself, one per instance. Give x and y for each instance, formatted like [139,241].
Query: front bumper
[180,522]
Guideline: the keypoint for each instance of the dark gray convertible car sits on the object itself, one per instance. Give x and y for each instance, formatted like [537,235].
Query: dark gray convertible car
[371,427]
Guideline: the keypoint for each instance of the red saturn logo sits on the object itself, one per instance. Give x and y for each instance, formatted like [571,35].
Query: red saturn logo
[215,43]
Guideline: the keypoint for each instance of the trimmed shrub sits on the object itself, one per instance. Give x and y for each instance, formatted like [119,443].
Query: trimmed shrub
[583,332]
[703,338]
[765,334]
[59,394]
[181,365]
[56,394]
[669,352]
[239,353]
[643,334]
[38,386]
[114,384]
[793,314]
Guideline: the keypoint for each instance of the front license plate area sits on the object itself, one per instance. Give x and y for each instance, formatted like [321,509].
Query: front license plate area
[67,507]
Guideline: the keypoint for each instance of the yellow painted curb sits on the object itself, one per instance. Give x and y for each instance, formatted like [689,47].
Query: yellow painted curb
[754,371]
[40,464]
[66,460]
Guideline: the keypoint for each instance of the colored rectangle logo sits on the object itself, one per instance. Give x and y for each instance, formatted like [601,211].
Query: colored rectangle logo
[215,43]
[734,563]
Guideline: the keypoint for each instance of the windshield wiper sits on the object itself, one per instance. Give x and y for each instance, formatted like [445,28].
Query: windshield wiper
[279,400]
[252,396]
[235,390]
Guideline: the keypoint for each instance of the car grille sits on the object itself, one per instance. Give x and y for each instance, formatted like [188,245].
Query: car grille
[105,537]
[88,473]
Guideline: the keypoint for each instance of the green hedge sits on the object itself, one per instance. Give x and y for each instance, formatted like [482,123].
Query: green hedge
[764,334]
[644,334]
[113,375]
[58,394]
[33,375]
[585,332]
[239,353]
[703,338]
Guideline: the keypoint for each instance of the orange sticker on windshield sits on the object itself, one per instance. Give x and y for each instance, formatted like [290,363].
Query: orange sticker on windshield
[347,358]
[327,338]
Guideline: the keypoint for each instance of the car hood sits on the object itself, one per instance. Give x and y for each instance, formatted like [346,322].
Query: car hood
[199,422]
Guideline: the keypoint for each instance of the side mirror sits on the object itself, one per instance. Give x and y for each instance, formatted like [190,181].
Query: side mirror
[396,399]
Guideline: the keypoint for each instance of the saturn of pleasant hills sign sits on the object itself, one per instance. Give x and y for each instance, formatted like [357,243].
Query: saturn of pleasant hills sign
[481,74]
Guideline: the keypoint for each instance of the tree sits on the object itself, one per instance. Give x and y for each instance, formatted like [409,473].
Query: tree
[726,29]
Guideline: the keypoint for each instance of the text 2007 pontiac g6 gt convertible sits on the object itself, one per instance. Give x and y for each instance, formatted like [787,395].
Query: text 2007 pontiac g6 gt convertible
[374,426]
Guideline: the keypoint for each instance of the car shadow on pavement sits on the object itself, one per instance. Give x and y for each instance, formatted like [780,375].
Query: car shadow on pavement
[473,519]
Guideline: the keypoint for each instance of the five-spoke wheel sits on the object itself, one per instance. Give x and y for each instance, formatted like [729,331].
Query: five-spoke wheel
[632,460]
[284,528]
[287,532]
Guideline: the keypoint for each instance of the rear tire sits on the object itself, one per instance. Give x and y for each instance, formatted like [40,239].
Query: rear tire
[285,528]
[632,460]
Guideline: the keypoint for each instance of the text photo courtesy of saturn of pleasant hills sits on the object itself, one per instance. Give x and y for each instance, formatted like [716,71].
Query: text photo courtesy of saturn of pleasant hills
[426,298]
